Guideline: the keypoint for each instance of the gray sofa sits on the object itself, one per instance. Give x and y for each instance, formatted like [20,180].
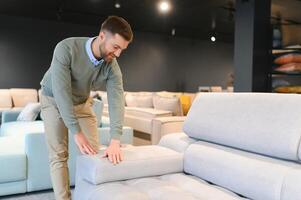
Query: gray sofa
[234,146]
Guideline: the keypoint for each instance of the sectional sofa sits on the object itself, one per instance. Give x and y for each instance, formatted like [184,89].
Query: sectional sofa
[23,152]
[234,146]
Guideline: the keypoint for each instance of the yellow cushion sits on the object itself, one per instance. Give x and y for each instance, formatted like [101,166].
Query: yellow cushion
[186,103]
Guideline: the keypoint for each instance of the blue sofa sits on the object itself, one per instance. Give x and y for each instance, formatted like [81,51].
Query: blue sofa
[234,146]
[24,157]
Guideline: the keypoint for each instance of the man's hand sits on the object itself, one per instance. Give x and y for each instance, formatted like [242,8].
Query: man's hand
[83,144]
[113,152]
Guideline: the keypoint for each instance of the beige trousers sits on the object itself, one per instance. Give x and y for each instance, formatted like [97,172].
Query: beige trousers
[56,134]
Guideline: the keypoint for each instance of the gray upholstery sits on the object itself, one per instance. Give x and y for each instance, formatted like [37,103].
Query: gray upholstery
[177,186]
[138,162]
[262,123]
[254,176]
[240,143]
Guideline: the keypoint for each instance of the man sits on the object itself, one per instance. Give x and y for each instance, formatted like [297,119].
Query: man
[80,65]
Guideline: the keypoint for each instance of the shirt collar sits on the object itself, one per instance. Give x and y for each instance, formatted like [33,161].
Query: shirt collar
[90,54]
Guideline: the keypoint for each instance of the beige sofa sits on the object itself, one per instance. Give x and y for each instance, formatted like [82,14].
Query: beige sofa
[153,113]
[16,98]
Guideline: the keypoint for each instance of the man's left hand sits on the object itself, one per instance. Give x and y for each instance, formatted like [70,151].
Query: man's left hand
[113,152]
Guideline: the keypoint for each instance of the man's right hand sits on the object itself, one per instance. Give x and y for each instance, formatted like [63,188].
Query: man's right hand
[83,144]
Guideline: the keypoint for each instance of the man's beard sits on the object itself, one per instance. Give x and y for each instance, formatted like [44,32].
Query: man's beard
[108,57]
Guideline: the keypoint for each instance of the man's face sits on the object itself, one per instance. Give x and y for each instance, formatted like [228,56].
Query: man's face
[111,45]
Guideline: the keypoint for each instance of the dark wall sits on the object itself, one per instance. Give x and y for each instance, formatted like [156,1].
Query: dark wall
[152,62]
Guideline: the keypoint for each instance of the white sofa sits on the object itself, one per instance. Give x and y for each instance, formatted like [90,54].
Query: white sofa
[154,113]
[238,146]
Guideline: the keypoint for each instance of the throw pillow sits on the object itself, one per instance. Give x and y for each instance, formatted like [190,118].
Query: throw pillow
[143,99]
[186,103]
[30,112]
[172,104]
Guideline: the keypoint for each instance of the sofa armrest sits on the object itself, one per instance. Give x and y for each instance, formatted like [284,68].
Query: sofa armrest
[165,125]
[177,141]
[141,161]
[10,115]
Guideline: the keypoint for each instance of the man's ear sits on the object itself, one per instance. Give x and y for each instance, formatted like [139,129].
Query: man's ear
[102,35]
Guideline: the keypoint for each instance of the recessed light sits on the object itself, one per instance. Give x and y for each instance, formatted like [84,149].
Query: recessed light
[117,4]
[164,6]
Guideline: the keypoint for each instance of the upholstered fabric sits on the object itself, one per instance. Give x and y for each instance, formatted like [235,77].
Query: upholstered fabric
[176,186]
[147,112]
[251,175]
[169,94]
[14,187]
[289,67]
[176,141]
[98,110]
[21,96]
[262,123]
[186,103]
[139,99]
[20,128]
[172,104]
[139,161]
[288,58]
[162,126]
[30,112]
[192,95]
[5,99]
[12,159]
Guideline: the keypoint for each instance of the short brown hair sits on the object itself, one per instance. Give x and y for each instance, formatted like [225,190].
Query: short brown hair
[115,24]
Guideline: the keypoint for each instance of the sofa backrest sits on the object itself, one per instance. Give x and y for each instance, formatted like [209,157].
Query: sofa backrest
[22,96]
[248,143]
[5,99]
[268,124]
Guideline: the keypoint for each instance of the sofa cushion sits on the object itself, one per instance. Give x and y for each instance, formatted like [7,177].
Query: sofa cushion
[251,175]
[259,122]
[19,128]
[21,96]
[30,112]
[5,99]
[12,159]
[172,104]
[139,99]
[139,161]
[176,186]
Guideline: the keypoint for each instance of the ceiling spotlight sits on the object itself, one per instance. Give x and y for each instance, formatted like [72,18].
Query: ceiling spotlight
[213,39]
[164,6]
[117,4]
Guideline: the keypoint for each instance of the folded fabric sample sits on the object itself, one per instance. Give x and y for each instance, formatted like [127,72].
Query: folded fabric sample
[288,89]
[289,67]
[288,58]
